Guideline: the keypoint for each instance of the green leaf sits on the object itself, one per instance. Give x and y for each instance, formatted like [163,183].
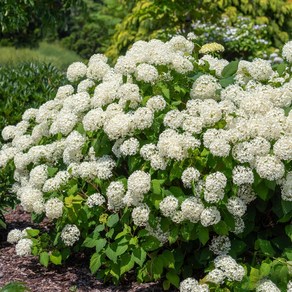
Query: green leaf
[221,228]
[121,249]
[44,258]
[139,256]
[156,186]
[166,285]
[56,257]
[265,269]
[52,171]
[126,263]
[226,81]
[15,287]
[112,220]
[95,263]
[100,244]
[173,278]
[151,243]
[286,206]
[281,68]
[288,230]
[2,224]
[111,254]
[262,191]
[157,267]
[89,242]
[203,234]
[230,69]
[32,232]
[265,247]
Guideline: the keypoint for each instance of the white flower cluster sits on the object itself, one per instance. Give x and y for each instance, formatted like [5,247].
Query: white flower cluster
[267,285]
[192,285]
[54,208]
[23,247]
[70,234]
[95,199]
[225,268]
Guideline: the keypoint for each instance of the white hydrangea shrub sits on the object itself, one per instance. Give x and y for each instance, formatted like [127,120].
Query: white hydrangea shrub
[152,136]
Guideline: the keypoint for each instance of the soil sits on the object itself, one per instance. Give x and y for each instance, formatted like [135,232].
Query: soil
[74,276]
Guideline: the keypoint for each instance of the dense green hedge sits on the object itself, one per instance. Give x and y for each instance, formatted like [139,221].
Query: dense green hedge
[24,86]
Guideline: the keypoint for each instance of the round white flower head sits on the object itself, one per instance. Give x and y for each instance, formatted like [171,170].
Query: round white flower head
[168,206]
[146,73]
[140,215]
[242,175]
[64,91]
[216,276]
[246,193]
[70,234]
[189,285]
[14,236]
[231,270]
[38,176]
[23,247]
[156,103]
[94,119]
[139,182]
[189,176]
[115,193]
[269,167]
[236,206]
[287,52]
[220,148]
[192,208]
[220,245]
[205,87]
[148,150]
[210,216]
[54,208]
[286,187]
[76,71]
[95,200]
[267,285]
[129,147]
[173,119]
[289,286]
[283,148]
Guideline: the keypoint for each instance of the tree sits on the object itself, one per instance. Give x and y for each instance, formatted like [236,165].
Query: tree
[28,21]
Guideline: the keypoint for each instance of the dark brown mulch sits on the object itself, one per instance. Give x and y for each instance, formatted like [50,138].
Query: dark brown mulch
[73,276]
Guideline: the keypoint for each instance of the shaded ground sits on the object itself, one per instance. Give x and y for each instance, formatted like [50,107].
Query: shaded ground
[74,276]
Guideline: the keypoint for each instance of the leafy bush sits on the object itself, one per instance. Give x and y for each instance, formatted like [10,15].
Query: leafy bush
[158,19]
[168,166]
[21,87]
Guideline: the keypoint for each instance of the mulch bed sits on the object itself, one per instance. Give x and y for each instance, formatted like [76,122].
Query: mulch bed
[74,276]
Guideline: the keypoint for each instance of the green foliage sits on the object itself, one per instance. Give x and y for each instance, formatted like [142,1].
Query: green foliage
[27,22]
[24,86]
[90,30]
[263,23]
[50,53]
[15,287]
[165,247]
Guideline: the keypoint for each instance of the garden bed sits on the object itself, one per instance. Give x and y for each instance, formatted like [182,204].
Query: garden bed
[73,276]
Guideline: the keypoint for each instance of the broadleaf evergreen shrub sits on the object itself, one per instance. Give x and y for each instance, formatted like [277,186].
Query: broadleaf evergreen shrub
[171,164]
[21,87]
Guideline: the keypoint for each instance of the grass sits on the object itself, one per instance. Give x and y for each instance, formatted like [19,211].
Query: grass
[48,53]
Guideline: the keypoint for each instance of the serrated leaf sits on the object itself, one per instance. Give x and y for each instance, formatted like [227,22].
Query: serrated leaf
[95,263]
[112,220]
[126,263]
[151,243]
[56,257]
[173,278]
[156,186]
[265,247]
[139,256]
[203,234]
[265,269]
[100,244]
[32,232]
[44,259]
[89,242]
[111,254]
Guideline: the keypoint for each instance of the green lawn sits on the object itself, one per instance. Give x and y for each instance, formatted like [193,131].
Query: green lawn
[49,53]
